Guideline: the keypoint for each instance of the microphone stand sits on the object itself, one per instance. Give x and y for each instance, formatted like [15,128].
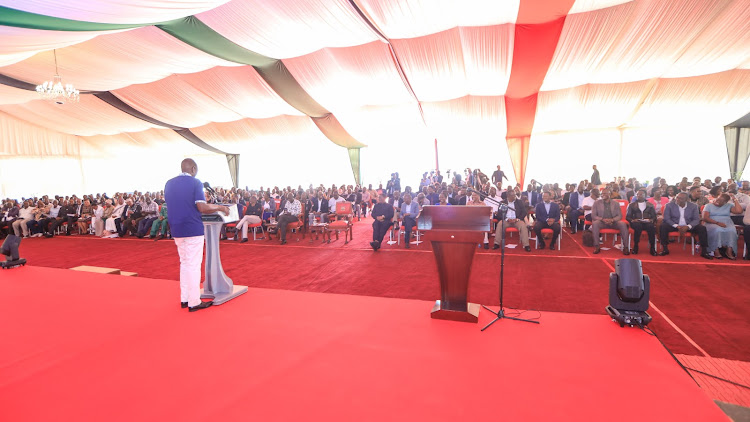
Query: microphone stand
[500,314]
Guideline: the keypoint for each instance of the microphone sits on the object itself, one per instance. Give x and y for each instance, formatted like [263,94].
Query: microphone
[209,188]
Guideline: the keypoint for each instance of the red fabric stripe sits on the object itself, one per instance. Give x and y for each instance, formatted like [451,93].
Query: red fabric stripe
[537,32]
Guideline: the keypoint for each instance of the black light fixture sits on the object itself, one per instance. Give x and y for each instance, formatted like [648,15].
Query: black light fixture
[629,293]
[10,250]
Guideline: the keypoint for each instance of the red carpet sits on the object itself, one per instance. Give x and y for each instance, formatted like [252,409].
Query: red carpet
[96,347]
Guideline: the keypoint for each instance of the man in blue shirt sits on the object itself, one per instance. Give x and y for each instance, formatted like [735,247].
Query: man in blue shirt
[186,200]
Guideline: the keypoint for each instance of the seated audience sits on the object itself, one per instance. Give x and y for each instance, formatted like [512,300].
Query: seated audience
[641,215]
[85,219]
[149,213]
[25,214]
[252,216]
[383,214]
[575,208]
[514,217]
[409,212]
[97,218]
[290,214]
[547,217]
[722,234]
[606,214]
[160,225]
[683,216]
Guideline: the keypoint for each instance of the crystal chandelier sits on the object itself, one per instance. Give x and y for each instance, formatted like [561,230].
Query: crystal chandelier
[55,90]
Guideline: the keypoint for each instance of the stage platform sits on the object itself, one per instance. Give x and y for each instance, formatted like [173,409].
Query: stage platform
[84,347]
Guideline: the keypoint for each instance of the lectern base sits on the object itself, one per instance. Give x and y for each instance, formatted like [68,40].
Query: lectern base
[220,298]
[470,315]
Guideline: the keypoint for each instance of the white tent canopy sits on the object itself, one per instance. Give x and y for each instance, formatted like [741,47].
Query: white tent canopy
[641,88]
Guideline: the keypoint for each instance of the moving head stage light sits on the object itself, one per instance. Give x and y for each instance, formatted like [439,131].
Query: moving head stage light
[10,250]
[629,294]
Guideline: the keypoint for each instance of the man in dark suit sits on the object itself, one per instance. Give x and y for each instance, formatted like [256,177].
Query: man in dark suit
[547,217]
[532,195]
[462,198]
[683,216]
[320,207]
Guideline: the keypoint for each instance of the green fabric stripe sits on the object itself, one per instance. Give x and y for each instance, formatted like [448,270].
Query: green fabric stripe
[197,34]
[354,159]
[21,19]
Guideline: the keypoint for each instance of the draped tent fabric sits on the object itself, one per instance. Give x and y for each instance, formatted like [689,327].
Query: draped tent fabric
[737,135]
[114,11]
[274,78]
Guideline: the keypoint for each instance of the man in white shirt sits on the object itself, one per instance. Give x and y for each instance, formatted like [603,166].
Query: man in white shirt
[588,203]
[514,217]
[335,199]
[25,214]
[52,213]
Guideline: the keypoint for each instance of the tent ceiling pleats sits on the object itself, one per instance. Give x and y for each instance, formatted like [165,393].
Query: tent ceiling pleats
[377,72]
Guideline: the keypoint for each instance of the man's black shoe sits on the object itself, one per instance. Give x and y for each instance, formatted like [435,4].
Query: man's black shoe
[486,245]
[374,245]
[203,305]
[706,255]
[542,245]
[283,242]
[183,304]
[552,246]
[653,252]
[664,252]
[747,257]
[597,250]
[527,248]
[495,246]
[243,240]
[407,246]
[634,251]
[625,252]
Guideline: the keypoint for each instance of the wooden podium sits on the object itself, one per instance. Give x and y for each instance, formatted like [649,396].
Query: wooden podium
[455,232]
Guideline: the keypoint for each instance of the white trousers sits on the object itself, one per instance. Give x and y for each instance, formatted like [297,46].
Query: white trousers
[191,258]
[242,225]
[19,226]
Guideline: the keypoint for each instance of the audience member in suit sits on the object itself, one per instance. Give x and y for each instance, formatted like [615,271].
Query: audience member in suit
[547,217]
[606,214]
[409,212]
[396,201]
[320,207]
[683,216]
[532,197]
[382,213]
[575,209]
[514,217]
[462,198]
[641,215]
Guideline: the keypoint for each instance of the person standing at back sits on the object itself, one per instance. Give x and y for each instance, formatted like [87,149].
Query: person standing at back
[595,180]
[187,202]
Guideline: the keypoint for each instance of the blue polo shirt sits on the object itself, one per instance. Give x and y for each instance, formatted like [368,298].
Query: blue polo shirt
[182,193]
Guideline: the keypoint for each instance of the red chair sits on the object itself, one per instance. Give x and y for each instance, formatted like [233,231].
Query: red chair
[234,225]
[549,232]
[344,222]
[294,227]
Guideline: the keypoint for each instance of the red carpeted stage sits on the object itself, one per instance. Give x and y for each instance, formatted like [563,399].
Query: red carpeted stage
[80,346]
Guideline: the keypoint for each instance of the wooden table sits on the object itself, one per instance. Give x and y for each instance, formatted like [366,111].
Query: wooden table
[319,228]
